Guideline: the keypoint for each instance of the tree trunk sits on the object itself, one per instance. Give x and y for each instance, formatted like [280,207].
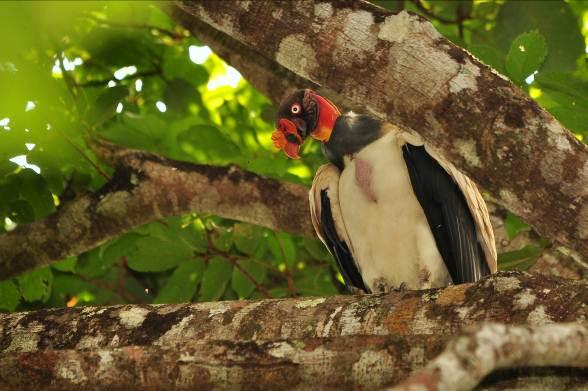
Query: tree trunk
[366,341]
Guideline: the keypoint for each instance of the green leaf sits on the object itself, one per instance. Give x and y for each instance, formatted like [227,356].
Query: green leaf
[33,188]
[243,284]
[206,143]
[121,247]
[121,47]
[521,259]
[247,237]
[66,265]
[141,132]
[282,247]
[574,119]
[21,212]
[36,285]
[222,238]
[156,255]
[553,19]
[566,97]
[215,279]
[90,264]
[514,225]
[178,65]
[8,194]
[316,249]
[566,83]
[195,235]
[9,296]
[315,281]
[527,53]
[489,55]
[182,284]
[24,196]
[105,106]
[178,95]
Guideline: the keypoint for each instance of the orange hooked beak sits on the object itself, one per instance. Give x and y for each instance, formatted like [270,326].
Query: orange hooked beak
[286,137]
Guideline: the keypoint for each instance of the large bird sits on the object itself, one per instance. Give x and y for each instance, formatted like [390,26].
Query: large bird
[393,213]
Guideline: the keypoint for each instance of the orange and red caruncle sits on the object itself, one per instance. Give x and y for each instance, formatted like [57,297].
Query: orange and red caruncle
[293,124]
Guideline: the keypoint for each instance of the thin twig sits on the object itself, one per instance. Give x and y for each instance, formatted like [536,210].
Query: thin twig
[212,250]
[263,290]
[86,157]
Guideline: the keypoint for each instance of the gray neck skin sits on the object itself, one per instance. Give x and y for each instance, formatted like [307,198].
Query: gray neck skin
[351,133]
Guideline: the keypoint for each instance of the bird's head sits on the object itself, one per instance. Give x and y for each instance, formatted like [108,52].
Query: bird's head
[303,114]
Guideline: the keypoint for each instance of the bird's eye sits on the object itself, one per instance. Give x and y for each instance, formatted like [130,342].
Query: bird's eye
[295,108]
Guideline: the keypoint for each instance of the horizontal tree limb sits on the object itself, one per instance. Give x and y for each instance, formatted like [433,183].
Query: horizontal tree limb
[507,297]
[352,362]
[366,341]
[146,187]
[399,68]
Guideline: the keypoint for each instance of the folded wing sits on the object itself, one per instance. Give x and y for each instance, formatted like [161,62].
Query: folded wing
[328,224]
[456,213]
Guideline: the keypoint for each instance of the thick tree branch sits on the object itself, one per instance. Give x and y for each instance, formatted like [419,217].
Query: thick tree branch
[399,68]
[469,358]
[146,187]
[366,341]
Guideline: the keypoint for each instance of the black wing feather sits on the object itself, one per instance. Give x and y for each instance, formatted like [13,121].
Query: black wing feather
[448,215]
[338,247]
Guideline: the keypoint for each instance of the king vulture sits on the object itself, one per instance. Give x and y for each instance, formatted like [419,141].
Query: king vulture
[392,212]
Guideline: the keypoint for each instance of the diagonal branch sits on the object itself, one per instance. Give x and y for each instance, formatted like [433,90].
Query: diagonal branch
[146,187]
[399,68]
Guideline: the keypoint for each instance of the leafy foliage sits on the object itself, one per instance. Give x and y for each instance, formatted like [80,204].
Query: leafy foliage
[525,56]
[126,72]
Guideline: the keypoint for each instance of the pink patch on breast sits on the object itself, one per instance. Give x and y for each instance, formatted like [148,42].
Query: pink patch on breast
[363,177]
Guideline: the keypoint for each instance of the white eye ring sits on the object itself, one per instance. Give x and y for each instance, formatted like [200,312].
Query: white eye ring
[295,109]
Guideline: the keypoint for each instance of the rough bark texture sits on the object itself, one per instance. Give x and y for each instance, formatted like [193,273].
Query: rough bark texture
[365,341]
[469,358]
[134,197]
[399,68]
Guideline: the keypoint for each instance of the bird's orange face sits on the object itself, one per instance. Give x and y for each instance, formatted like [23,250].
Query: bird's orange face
[302,114]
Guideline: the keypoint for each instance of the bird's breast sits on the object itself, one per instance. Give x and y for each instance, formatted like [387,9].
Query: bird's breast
[390,236]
